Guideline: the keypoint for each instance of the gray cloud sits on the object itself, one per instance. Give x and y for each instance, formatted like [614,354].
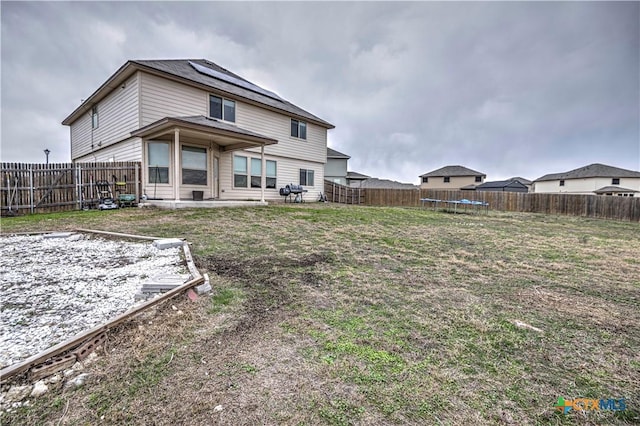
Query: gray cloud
[504,88]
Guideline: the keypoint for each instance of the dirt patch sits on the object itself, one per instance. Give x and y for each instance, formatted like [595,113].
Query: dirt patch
[271,283]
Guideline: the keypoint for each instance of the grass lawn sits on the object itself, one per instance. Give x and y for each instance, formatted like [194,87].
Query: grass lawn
[364,315]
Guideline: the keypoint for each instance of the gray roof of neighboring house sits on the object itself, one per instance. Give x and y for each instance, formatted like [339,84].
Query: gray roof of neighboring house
[181,69]
[332,153]
[375,183]
[591,171]
[511,183]
[606,189]
[451,171]
[521,180]
[356,175]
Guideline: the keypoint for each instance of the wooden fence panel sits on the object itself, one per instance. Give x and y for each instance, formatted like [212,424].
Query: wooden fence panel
[40,188]
[337,193]
[594,206]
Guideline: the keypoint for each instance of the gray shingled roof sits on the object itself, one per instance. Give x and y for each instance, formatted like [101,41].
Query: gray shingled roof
[356,175]
[181,68]
[375,183]
[332,153]
[606,189]
[471,187]
[212,123]
[591,171]
[452,171]
[521,180]
[502,184]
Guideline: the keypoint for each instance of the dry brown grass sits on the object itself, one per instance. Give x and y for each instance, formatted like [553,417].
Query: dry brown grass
[348,315]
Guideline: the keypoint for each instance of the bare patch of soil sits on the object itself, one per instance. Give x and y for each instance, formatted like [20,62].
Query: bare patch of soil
[271,282]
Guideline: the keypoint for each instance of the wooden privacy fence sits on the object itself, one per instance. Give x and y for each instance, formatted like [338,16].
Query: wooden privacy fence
[40,188]
[595,206]
[337,193]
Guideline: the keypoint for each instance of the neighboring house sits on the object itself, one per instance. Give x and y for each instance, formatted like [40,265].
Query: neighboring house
[592,179]
[196,126]
[525,182]
[336,168]
[499,185]
[451,177]
[354,178]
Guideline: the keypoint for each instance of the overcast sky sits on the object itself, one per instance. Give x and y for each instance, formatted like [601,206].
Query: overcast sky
[505,88]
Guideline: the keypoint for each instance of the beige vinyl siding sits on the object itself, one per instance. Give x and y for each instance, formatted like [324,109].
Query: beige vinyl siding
[157,191]
[288,171]
[128,150]
[165,98]
[336,170]
[80,136]
[455,182]
[117,118]
[278,126]
[584,186]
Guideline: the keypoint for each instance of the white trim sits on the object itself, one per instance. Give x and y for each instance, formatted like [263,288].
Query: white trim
[263,173]
[176,165]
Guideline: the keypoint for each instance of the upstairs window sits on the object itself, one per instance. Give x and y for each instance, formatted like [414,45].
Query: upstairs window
[561,183]
[298,129]
[222,109]
[447,179]
[306,177]
[425,180]
[478,178]
[615,181]
[94,117]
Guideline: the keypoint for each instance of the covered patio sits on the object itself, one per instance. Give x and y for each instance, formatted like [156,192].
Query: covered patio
[182,155]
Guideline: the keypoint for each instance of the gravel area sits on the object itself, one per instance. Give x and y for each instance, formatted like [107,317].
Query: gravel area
[54,288]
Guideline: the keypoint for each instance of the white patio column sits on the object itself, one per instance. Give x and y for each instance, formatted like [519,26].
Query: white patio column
[263,177]
[176,164]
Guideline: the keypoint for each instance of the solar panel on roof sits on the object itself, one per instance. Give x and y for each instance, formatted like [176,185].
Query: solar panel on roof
[235,81]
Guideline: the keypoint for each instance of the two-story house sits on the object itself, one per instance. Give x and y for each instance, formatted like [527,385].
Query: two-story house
[196,126]
[336,168]
[451,177]
[592,179]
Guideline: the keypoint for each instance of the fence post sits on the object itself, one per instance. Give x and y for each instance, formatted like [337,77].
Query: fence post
[138,184]
[31,189]
[78,179]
